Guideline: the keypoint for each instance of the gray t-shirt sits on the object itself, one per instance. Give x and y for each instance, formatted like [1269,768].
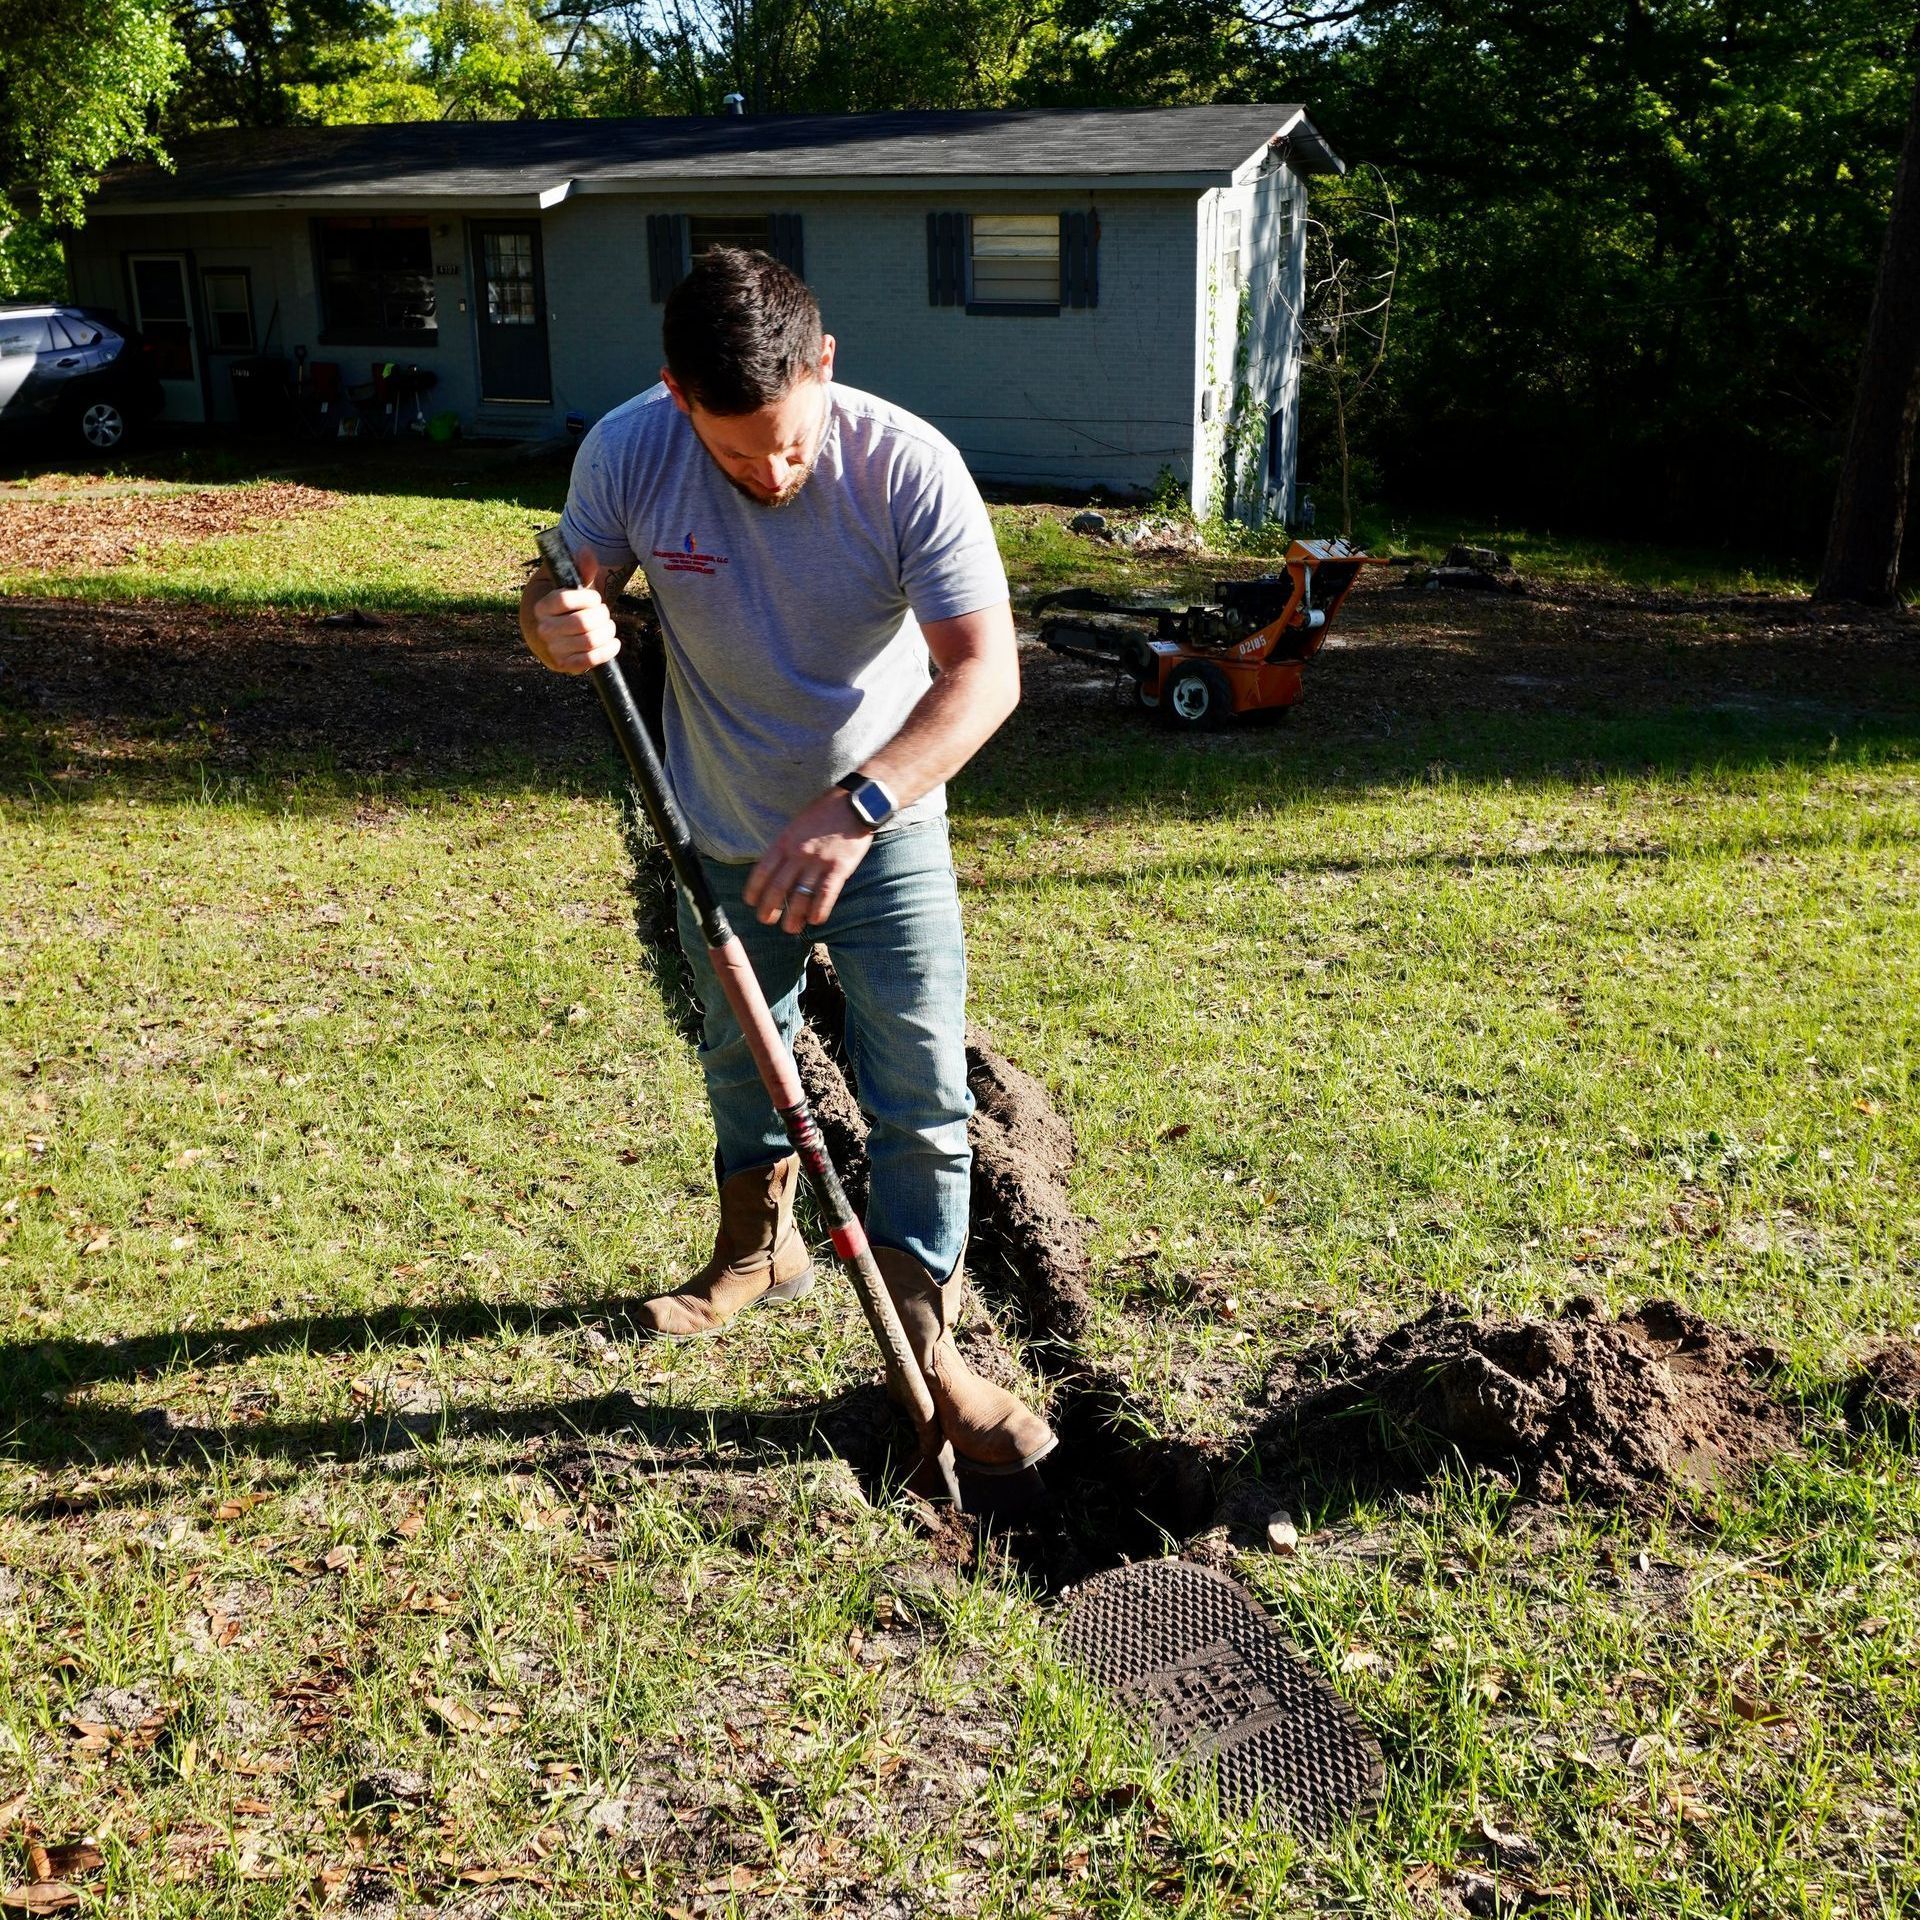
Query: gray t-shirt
[793,642]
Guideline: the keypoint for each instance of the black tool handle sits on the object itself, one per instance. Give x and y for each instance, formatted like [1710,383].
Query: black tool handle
[649,776]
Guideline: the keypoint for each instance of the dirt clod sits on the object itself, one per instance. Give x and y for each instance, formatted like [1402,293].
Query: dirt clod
[124,1709]
[387,1787]
[1620,1412]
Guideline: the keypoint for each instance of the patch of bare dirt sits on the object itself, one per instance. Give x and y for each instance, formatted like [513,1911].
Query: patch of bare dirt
[1622,1412]
[91,689]
[102,530]
[1396,660]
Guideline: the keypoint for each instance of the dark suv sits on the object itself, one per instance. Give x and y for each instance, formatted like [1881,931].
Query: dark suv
[89,380]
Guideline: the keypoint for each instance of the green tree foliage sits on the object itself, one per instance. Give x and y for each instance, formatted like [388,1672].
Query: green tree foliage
[253,63]
[491,60]
[1864,542]
[77,87]
[376,78]
[357,61]
[822,56]
[1640,235]
[1642,239]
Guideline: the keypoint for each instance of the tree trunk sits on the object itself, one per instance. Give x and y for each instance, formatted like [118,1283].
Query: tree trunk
[1870,508]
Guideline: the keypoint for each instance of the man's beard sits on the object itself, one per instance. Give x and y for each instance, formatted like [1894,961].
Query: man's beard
[794,487]
[787,494]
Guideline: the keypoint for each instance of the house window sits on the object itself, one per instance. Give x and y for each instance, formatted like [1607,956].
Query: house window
[230,309]
[376,281]
[751,230]
[507,263]
[1230,248]
[1015,261]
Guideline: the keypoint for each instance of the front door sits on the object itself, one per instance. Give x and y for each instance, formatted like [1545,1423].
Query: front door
[510,309]
[164,314]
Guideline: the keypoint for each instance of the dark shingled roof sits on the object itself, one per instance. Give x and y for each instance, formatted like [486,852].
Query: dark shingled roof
[495,158]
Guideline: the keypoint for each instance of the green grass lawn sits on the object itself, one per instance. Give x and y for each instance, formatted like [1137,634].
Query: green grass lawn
[1543,952]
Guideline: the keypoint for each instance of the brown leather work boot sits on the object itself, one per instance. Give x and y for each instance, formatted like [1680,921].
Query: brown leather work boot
[758,1255]
[992,1431]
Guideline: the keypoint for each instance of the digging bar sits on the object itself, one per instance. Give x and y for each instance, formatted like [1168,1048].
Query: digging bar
[934,1478]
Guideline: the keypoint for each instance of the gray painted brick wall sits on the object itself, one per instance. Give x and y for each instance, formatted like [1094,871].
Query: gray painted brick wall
[1080,398]
[1100,396]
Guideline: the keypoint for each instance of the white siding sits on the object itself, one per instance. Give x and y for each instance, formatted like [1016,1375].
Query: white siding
[1273,378]
[1247,346]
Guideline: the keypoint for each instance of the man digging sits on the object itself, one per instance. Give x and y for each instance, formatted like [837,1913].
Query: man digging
[812,553]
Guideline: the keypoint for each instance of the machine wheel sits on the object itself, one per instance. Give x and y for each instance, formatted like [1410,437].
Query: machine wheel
[1196,696]
[102,425]
[1137,659]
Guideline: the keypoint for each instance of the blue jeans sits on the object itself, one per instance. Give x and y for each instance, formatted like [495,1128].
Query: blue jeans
[896,943]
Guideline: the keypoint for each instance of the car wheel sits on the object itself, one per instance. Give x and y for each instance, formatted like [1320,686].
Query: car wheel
[1196,697]
[103,425]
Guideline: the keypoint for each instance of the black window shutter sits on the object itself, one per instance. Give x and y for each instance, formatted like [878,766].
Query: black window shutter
[785,242]
[1080,259]
[946,259]
[666,249]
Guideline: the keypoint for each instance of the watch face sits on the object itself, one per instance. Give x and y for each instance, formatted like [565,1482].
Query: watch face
[871,801]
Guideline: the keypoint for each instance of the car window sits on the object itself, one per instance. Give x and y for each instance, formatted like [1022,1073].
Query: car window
[24,334]
[80,333]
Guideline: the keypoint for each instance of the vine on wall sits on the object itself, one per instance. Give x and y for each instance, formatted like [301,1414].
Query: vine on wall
[1243,425]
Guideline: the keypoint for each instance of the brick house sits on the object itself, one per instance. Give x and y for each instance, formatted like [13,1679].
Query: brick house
[1076,298]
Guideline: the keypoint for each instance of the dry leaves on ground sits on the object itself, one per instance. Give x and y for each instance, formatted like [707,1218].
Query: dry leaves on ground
[103,532]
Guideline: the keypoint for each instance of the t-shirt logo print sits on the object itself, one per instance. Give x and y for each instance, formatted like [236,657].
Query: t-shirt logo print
[687,558]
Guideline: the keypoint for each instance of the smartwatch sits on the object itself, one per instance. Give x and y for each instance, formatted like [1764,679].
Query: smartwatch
[870,800]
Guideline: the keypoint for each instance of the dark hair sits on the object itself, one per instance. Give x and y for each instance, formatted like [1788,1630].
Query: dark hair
[739,330]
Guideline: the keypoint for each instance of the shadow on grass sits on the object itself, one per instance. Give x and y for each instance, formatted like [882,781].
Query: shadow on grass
[277,709]
[1099,1499]
[1295,863]
[858,1426]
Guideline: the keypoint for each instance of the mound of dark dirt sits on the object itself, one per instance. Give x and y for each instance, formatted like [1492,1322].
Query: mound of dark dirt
[1023,1220]
[1619,1412]
[1884,1395]
[1027,1239]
